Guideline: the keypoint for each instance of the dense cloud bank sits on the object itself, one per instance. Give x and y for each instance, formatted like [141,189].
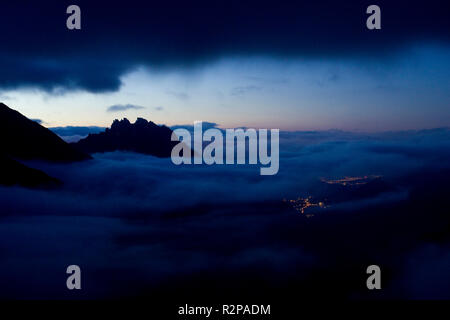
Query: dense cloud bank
[135,223]
[115,38]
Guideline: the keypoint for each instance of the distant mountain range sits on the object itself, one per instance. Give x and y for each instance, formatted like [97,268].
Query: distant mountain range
[74,134]
[142,136]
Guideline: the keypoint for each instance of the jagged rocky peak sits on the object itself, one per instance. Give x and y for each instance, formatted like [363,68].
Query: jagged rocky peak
[142,136]
[125,125]
[120,124]
[141,122]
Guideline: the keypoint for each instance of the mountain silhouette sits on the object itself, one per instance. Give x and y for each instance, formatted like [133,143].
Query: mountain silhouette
[142,136]
[15,173]
[22,138]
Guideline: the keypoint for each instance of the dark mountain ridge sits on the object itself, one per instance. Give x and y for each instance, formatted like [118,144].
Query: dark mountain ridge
[142,136]
[15,173]
[23,138]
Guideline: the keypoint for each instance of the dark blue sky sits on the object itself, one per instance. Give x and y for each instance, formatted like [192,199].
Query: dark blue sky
[183,61]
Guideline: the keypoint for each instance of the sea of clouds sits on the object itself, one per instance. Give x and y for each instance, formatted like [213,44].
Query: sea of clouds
[134,222]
